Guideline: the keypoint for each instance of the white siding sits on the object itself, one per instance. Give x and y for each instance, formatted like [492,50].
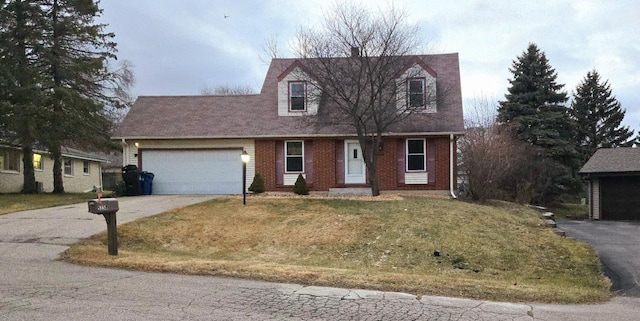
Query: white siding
[290,179]
[595,199]
[416,71]
[283,94]
[416,178]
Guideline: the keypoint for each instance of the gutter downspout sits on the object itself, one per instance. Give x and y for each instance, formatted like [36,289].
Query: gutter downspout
[125,152]
[451,167]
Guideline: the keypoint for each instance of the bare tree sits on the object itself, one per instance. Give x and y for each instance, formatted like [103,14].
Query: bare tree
[271,48]
[486,153]
[495,164]
[228,90]
[359,63]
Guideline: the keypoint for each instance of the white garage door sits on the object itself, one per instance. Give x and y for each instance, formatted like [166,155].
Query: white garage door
[194,171]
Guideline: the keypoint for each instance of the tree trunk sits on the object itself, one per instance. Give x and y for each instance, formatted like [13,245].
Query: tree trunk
[373,180]
[56,154]
[29,177]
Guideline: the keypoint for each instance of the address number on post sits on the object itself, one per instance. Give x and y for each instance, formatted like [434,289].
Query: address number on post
[102,208]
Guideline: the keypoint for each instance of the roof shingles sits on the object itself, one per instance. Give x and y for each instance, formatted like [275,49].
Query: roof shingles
[182,117]
[613,160]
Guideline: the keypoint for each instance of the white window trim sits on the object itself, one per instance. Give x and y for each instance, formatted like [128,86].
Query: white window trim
[88,171]
[424,92]
[65,166]
[424,154]
[286,142]
[304,83]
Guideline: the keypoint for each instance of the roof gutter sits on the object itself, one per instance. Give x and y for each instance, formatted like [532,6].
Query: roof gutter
[286,136]
[451,166]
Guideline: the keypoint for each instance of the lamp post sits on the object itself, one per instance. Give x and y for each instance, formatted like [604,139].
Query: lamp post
[245,159]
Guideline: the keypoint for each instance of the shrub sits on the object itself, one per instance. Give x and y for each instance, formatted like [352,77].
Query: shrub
[257,186]
[301,187]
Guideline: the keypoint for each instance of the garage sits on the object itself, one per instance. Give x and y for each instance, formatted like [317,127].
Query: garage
[620,198]
[613,176]
[194,171]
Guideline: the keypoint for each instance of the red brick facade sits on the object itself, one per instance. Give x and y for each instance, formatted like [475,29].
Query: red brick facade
[327,170]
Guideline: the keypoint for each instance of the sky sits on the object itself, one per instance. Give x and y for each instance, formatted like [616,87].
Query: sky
[181,47]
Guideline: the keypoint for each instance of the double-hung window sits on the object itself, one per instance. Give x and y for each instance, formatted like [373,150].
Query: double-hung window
[416,155]
[86,167]
[416,92]
[297,96]
[294,157]
[10,160]
[37,161]
[68,167]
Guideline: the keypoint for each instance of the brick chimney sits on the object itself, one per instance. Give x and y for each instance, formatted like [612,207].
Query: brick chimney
[355,52]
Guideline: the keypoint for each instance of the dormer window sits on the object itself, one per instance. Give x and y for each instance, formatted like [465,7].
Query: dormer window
[297,96]
[416,92]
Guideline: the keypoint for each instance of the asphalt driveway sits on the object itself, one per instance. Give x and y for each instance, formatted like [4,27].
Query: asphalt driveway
[618,245]
[65,225]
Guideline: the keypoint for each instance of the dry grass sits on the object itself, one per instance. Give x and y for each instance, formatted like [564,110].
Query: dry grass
[10,203]
[500,252]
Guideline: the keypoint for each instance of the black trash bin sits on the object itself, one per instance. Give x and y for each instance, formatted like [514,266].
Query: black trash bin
[146,183]
[131,178]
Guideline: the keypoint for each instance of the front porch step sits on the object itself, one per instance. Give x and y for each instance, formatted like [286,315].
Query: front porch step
[350,191]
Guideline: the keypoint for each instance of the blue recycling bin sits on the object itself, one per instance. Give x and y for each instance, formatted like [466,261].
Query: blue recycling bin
[146,183]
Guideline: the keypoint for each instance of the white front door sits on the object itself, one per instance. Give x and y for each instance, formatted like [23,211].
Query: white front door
[355,169]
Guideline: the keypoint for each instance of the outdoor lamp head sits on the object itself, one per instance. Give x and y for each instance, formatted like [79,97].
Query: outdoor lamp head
[245,157]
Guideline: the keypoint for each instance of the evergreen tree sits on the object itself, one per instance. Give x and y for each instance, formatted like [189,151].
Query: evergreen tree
[598,117]
[79,81]
[535,112]
[20,95]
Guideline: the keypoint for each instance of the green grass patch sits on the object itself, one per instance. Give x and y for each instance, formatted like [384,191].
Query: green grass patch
[567,211]
[499,252]
[10,203]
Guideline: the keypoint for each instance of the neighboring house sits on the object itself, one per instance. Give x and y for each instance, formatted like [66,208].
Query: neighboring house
[193,143]
[81,171]
[614,183]
[111,170]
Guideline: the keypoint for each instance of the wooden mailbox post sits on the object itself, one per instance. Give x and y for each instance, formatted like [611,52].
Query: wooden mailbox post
[108,208]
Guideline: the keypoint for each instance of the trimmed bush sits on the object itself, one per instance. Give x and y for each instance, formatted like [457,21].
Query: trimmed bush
[257,186]
[301,187]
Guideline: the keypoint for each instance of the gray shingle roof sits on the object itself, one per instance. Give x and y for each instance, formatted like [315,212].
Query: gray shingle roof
[613,160]
[254,116]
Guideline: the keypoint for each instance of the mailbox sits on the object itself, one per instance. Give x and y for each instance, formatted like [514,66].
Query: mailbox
[105,205]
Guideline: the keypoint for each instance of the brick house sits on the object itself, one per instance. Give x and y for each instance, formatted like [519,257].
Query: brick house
[193,143]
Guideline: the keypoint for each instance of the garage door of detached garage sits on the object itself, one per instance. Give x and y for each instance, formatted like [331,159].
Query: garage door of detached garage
[194,171]
[620,198]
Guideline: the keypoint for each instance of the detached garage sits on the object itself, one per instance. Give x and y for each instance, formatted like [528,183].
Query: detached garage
[614,184]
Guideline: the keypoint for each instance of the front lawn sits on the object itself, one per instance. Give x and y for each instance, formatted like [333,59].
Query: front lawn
[10,203]
[421,245]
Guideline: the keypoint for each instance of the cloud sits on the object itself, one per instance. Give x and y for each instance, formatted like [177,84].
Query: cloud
[177,47]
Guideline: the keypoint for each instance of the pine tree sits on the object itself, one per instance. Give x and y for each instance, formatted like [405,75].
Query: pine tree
[598,116]
[535,112]
[20,95]
[79,82]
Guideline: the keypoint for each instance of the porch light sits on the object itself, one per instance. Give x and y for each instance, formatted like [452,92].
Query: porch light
[245,159]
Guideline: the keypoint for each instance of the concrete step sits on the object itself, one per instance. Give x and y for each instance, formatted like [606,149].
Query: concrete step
[551,223]
[350,191]
[548,216]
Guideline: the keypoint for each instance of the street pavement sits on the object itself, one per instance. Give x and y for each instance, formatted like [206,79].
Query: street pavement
[35,285]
